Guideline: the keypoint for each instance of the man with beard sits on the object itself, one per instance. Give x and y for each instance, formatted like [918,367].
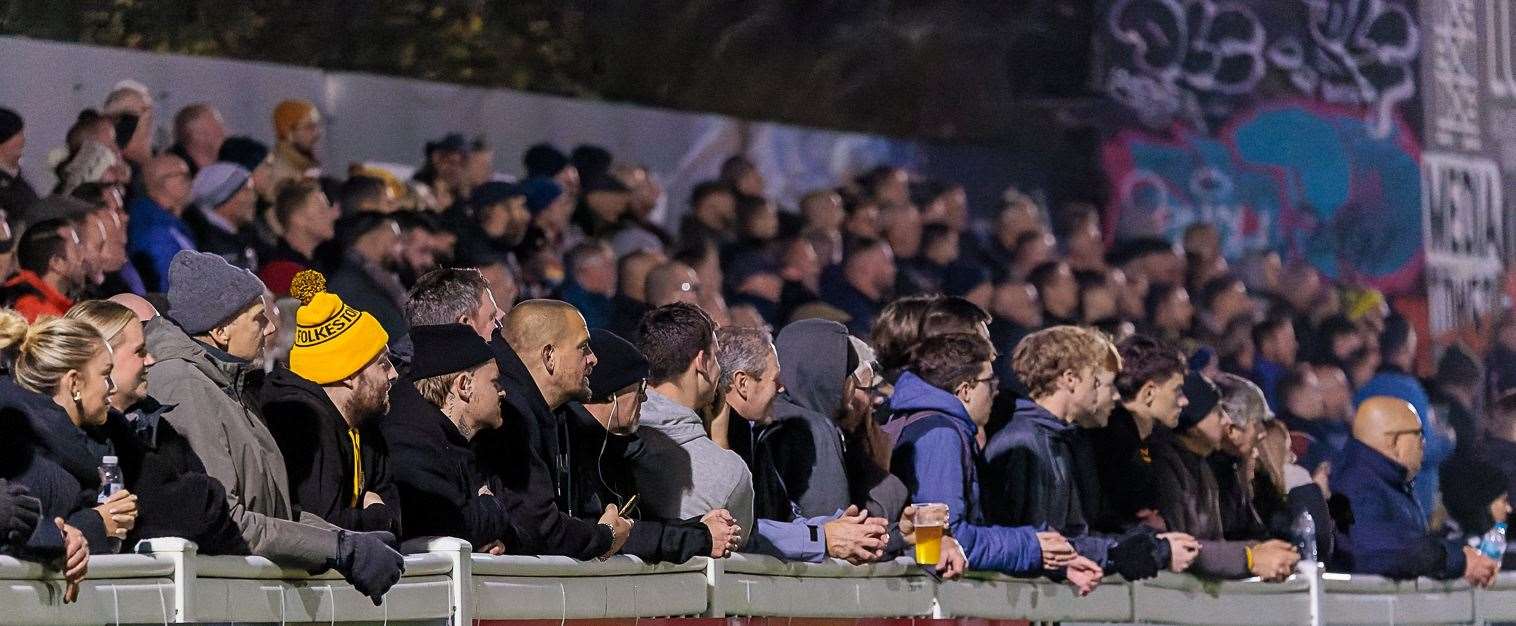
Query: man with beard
[1039,469]
[544,357]
[606,447]
[366,278]
[321,412]
[493,221]
[297,125]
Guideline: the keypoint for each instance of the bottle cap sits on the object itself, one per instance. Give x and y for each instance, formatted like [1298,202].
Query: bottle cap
[108,460]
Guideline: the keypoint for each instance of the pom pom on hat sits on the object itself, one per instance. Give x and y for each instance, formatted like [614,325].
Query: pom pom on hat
[333,341]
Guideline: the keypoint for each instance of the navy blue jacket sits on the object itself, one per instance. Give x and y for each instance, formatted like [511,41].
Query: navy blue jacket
[937,458]
[1388,535]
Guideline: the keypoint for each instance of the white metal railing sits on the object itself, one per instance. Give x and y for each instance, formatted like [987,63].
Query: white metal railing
[445,582]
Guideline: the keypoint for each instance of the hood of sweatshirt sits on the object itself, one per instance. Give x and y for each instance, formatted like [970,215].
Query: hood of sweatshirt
[913,394]
[813,365]
[676,421]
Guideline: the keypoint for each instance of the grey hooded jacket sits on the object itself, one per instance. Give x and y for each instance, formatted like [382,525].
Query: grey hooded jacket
[683,473]
[803,454]
[205,390]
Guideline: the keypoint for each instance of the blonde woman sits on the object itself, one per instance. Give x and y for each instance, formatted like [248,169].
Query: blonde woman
[177,498]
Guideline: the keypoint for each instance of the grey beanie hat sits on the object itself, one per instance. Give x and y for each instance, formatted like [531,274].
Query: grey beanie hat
[204,291]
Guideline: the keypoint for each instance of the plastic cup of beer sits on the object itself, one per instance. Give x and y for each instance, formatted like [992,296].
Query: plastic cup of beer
[931,519]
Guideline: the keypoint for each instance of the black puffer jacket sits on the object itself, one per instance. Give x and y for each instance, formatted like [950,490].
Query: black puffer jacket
[175,497]
[603,472]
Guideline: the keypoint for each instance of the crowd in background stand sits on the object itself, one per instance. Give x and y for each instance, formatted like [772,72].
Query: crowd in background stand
[313,365]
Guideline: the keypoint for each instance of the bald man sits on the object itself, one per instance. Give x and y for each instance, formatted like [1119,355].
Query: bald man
[156,232]
[543,350]
[672,282]
[1388,536]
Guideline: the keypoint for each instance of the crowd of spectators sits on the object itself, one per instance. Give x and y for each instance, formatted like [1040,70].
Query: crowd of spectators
[323,367]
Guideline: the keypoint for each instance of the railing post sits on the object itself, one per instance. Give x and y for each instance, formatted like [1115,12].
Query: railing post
[460,555]
[713,569]
[181,552]
[1312,571]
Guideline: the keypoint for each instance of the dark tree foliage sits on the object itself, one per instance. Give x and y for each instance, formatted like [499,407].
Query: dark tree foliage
[935,69]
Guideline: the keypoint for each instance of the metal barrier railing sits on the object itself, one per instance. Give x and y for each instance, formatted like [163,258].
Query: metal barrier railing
[445,582]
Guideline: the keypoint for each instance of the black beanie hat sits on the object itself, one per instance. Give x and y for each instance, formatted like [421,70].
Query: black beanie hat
[619,364]
[10,124]
[544,160]
[446,349]
[1203,396]
[244,151]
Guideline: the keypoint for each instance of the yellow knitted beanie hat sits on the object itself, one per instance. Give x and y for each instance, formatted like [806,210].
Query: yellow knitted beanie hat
[332,340]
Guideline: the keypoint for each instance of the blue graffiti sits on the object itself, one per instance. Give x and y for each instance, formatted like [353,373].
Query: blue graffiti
[1311,181]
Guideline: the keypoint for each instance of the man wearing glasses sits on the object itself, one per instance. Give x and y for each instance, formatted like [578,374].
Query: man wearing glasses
[940,403]
[605,449]
[1389,535]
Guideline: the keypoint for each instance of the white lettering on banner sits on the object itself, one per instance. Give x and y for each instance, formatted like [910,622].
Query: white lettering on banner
[1454,97]
[1463,234]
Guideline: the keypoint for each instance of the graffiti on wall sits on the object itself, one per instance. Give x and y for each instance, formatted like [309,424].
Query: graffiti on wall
[1313,180]
[1199,61]
[1290,124]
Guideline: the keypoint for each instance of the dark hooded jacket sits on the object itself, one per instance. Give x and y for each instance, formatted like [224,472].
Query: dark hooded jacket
[604,470]
[53,459]
[436,474]
[528,456]
[805,474]
[318,456]
[1123,459]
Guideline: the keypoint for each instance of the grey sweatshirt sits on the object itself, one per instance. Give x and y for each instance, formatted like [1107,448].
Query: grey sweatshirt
[683,473]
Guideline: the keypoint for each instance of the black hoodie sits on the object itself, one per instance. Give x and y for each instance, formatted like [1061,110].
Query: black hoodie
[603,469]
[529,457]
[318,456]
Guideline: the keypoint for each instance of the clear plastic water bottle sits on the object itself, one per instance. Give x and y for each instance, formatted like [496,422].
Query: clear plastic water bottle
[110,479]
[1305,536]
[1492,544]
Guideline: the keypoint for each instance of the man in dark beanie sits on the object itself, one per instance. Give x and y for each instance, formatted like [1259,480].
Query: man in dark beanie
[544,160]
[205,351]
[15,193]
[1189,498]
[450,394]
[605,447]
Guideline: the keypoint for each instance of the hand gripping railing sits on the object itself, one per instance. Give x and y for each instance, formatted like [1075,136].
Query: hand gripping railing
[445,582]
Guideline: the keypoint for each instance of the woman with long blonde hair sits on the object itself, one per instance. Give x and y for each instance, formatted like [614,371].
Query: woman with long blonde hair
[59,386]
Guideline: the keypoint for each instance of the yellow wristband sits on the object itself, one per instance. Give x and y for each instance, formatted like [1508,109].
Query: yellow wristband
[1249,552]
